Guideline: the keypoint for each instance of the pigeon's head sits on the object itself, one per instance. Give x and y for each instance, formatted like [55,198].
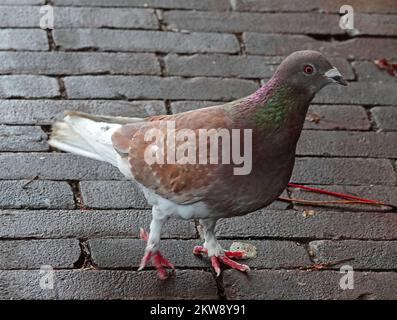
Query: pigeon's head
[309,70]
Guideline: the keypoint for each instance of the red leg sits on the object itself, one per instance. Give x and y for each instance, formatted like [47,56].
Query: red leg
[216,265]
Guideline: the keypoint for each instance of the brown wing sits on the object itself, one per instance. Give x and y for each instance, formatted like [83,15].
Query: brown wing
[181,183]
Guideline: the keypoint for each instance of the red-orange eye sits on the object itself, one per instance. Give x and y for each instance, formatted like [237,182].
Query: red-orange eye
[308,69]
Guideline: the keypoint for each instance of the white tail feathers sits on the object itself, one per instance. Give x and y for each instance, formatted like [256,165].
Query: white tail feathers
[88,136]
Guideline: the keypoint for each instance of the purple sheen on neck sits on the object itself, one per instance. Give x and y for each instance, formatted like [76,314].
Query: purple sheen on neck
[263,92]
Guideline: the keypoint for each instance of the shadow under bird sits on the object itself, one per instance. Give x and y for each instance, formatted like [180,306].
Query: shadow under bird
[275,114]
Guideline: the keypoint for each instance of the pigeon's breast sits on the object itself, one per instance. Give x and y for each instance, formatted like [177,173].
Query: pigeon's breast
[236,195]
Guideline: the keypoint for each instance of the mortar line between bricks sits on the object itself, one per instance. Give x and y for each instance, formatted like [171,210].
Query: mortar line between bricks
[101,50]
[117,98]
[230,8]
[148,209]
[119,180]
[301,241]
[158,99]
[241,43]
[209,269]
[206,269]
[321,37]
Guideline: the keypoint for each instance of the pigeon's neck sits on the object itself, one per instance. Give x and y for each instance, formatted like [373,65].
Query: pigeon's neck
[277,106]
[265,91]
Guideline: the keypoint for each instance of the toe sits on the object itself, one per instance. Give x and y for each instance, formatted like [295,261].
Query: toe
[143,234]
[164,261]
[235,254]
[144,260]
[199,250]
[234,264]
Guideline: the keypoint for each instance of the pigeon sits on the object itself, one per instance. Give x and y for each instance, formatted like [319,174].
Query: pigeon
[272,117]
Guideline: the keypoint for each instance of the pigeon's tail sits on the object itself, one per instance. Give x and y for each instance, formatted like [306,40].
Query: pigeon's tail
[88,135]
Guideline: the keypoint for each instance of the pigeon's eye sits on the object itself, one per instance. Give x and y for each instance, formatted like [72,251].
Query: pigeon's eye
[308,69]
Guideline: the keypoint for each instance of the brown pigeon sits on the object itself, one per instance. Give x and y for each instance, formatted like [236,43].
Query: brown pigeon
[184,170]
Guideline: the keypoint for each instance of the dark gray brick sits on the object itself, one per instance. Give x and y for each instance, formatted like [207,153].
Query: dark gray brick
[157,88]
[23,39]
[151,41]
[235,66]
[105,285]
[344,171]
[274,5]
[21,2]
[254,22]
[47,111]
[375,24]
[86,224]
[337,117]
[359,93]
[219,65]
[28,86]
[70,17]
[32,254]
[112,195]
[303,285]
[36,195]
[369,71]
[60,63]
[322,225]
[385,117]
[14,138]
[373,255]
[67,17]
[183,106]
[123,195]
[385,6]
[348,143]
[380,193]
[166,4]
[359,48]
[54,166]
[19,16]
[127,253]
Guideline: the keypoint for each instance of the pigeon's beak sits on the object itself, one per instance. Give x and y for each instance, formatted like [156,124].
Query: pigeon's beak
[335,76]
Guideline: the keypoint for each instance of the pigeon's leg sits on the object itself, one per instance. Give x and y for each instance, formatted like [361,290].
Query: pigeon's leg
[214,250]
[153,244]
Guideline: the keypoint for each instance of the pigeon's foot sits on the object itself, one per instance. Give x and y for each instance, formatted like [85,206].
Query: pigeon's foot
[157,259]
[224,258]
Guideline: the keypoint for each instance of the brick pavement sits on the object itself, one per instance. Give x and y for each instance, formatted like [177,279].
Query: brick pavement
[145,57]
